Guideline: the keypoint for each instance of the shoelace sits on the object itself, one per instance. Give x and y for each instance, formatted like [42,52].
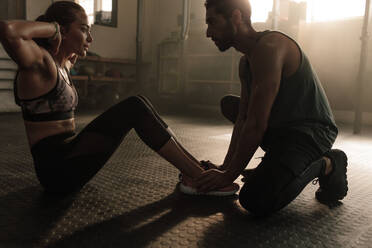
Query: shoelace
[205,164]
[315,181]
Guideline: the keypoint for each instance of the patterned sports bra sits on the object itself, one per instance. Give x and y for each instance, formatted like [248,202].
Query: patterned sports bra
[58,104]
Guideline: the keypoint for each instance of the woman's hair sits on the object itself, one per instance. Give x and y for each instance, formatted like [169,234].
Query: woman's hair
[62,12]
[226,7]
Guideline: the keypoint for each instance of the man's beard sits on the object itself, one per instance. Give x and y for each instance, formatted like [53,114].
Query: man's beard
[228,39]
[223,46]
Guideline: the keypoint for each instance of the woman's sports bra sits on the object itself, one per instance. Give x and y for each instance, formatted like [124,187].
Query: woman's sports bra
[58,104]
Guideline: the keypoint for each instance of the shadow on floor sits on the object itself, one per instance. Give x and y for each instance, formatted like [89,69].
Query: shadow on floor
[143,225]
[27,215]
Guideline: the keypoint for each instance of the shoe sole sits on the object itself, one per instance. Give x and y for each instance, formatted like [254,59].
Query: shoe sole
[191,191]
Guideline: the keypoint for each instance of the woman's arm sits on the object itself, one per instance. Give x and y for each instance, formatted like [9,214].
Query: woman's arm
[16,37]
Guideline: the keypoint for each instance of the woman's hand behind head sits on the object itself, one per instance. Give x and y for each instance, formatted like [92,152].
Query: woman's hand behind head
[55,42]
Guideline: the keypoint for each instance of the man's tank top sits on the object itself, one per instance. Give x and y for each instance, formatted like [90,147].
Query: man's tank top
[301,104]
[57,104]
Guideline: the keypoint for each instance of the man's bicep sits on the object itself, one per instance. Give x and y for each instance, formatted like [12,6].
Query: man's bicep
[244,95]
[266,77]
[267,64]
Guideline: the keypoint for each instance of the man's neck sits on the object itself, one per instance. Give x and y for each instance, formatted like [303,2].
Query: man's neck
[246,41]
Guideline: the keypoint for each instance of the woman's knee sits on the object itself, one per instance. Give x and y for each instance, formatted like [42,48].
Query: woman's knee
[130,110]
[134,102]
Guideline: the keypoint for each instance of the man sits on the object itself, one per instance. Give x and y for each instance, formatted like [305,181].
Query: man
[282,108]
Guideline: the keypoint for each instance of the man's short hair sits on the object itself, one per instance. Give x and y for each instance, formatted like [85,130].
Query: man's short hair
[226,7]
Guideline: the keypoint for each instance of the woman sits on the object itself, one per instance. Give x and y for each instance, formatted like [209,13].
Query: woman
[64,161]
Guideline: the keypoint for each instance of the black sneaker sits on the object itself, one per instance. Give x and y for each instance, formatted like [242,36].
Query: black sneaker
[333,187]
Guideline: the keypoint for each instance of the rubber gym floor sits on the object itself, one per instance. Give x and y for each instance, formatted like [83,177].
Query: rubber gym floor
[134,200]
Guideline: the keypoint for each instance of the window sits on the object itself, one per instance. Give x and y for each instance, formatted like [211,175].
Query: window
[88,5]
[261,9]
[317,10]
[103,12]
[331,10]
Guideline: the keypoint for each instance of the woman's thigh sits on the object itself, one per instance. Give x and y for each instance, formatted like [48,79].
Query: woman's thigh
[68,166]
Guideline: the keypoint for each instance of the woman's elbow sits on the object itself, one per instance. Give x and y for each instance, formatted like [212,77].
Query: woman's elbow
[3,27]
[5,31]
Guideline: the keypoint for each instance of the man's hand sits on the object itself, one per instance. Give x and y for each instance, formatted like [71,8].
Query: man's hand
[212,179]
[206,164]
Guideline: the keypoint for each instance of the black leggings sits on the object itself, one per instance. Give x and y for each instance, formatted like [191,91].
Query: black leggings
[66,162]
[292,161]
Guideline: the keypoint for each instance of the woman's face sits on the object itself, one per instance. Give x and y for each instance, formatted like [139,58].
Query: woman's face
[77,38]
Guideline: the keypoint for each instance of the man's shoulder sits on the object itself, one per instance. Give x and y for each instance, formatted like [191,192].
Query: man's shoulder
[276,40]
[273,45]
[271,41]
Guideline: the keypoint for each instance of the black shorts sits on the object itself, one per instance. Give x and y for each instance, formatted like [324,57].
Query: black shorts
[290,163]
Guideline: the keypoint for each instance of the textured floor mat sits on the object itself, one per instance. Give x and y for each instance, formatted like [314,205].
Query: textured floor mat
[134,201]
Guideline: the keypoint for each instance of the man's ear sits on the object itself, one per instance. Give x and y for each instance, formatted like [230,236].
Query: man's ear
[236,17]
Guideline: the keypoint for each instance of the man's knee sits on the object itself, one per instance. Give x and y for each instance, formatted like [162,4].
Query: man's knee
[263,201]
[257,202]
[226,102]
[229,105]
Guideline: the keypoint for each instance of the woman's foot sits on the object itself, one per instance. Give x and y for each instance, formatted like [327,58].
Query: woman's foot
[186,184]
[186,187]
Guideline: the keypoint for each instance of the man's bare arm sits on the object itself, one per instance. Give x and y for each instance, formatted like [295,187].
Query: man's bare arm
[266,66]
[243,107]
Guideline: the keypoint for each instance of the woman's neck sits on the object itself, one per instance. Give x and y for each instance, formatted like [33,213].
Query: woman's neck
[61,59]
